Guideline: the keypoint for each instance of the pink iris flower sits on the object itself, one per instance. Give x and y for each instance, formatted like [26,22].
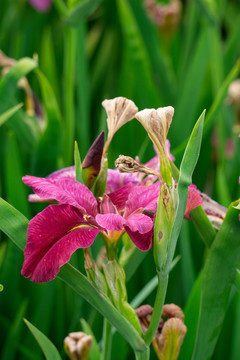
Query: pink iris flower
[41,5]
[59,230]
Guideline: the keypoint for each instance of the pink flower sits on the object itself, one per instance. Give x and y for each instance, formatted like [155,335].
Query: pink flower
[59,230]
[41,5]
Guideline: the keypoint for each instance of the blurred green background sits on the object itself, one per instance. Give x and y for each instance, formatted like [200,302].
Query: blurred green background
[88,51]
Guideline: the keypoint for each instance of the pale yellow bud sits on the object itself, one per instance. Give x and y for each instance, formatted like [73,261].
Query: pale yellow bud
[119,110]
[77,345]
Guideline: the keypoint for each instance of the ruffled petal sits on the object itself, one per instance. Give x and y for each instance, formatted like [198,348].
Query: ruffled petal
[67,173]
[194,198]
[111,222]
[116,180]
[120,196]
[143,197]
[53,236]
[64,191]
[139,222]
[142,241]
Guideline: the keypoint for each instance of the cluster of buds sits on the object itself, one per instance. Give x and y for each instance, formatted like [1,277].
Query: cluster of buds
[171,331]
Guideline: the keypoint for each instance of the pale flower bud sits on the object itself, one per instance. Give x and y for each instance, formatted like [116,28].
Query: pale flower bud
[157,123]
[119,110]
[77,345]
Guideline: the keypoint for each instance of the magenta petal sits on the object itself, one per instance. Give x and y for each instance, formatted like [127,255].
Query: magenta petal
[116,180]
[111,222]
[64,191]
[194,199]
[120,196]
[139,222]
[41,5]
[67,173]
[53,235]
[143,197]
[142,241]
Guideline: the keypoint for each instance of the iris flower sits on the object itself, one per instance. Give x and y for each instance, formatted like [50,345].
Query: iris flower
[59,230]
[41,5]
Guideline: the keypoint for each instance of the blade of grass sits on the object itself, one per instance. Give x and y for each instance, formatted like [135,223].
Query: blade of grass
[46,345]
[48,147]
[218,277]
[7,114]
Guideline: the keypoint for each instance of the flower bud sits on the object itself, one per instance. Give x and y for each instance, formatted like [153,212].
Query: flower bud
[119,110]
[77,345]
[157,123]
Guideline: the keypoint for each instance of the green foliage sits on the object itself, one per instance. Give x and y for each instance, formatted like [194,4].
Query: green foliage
[91,50]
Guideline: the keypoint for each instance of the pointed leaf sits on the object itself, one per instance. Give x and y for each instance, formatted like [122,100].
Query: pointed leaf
[45,344]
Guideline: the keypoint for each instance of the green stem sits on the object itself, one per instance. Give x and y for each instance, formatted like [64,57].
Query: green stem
[142,355]
[61,7]
[69,76]
[158,305]
[107,340]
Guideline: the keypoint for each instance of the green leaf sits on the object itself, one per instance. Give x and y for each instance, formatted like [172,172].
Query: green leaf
[191,313]
[13,224]
[95,352]
[10,345]
[203,225]
[9,81]
[188,164]
[218,277]
[45,344]
[7,114]
[81,11]
[49,145]
[78,165]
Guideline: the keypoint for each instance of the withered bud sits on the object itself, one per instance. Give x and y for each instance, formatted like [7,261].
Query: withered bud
[172,310]
[119,110]
[157,123]
[77,345]
[170,339]
[144,314]
[129,165]
[215,212]
[89,264]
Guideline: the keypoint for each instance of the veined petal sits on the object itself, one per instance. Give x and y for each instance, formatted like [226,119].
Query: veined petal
[120,196]
[142,241]
[53,236]
[67,173]
[194,198]
[64,191]
[111,222]
[116,180]
[143,197]
[139,222]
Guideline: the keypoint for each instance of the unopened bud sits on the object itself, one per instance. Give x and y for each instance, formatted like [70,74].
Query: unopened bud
[77,345]
[157,123]
[119,110]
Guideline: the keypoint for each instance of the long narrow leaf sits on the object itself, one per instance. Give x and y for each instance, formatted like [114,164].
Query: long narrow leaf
[46,345]
[218,277]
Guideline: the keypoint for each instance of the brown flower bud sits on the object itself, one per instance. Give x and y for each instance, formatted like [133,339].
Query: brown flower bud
[119,110]
[77,345]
